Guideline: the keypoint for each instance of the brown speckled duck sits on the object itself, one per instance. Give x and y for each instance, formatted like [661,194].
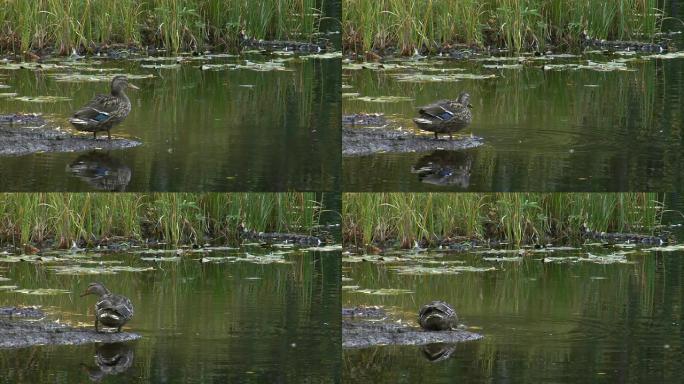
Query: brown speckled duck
[104,111]
[445,116]
[111,310]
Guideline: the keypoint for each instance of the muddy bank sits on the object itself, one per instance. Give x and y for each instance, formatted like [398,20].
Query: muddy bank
[358,331]
[24,136]
[368,141]
[275,237]
[634,238]
[19,333]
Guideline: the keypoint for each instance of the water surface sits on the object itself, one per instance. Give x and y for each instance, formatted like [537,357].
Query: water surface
[202,130]
[544,130]
[570,322]
[199,321]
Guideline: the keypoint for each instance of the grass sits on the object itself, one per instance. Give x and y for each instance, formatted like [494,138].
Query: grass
[517,218]
[176,218]
[173,24]
[515,24]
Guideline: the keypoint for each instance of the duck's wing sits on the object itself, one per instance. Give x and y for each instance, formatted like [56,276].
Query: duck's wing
[99,109]
[438,110]
[120,305]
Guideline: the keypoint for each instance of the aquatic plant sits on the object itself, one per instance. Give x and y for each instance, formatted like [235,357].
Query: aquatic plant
[514,24]
[513,217]
[172,24]
[176,218]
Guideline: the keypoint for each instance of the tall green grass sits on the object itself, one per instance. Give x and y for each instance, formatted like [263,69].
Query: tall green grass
[515,24]
[514,217]
[176,218]
[173,24]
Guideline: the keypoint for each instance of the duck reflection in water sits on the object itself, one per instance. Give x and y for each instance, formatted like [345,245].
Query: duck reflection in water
[110,359]
[445,168]
[101,171]
[438,351]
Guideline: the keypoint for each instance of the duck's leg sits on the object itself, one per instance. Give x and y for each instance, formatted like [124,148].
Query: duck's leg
[95,135]
[450,136]
[436,137]
[97,322]
[119,329]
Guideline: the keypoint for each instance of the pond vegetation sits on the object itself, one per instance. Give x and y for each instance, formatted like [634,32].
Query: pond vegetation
[173,218]
[516,218]
[175,25]
[514,24]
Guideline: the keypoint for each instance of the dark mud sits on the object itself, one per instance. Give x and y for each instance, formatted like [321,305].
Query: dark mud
[275,237]
[359,331]
[16,333]
[364,334]
[24,312]
[27,134]
[365,119]
[368,141]
[634,238]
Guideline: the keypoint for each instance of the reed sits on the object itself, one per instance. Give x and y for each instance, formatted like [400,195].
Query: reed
[517,218]
[176,218]
[515,24]
[172,24]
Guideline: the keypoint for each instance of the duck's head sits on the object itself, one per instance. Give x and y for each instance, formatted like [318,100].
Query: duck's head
[464,99]
[95,288]
[120,83]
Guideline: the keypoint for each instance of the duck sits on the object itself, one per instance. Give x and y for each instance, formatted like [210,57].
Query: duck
[111,310]
[437,316]
[445,116]
[104,111]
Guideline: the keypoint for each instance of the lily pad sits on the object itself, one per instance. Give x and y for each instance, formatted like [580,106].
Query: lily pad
[384,99]
[259,67]
[449,270]
[8,287]
[160,66]
[329,55]
[503,66]
[502,258]
[101,270]
[42,99]
[78,77]
[327,248]
[350,287]
[668,248]
[384,291]
[8,94]
[430,78]
[42,291]
[173,258]
[372,66]
[672,55]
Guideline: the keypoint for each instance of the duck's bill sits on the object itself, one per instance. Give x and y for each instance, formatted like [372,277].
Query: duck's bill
[470,106]
[132,86]
[84,294]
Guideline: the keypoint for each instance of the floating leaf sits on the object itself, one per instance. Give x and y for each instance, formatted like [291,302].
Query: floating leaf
[327,248]
[42,291]
[160,66]
[344,95]
[502,258]
[668,248]
[503,66]
[384,291]
[259,67]
[4,279]
[77,77]
[372,66]
[329,55]
[455,77]
[31,65]
[672,55]
[384,99]
[102,270]
[42,99]
[451,270]
[8,287]
[173,258]
[8,94]
[350,287]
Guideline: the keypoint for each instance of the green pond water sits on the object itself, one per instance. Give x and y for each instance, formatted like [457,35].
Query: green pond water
[271,124]
[599,123]
[611,318]
[260,319]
